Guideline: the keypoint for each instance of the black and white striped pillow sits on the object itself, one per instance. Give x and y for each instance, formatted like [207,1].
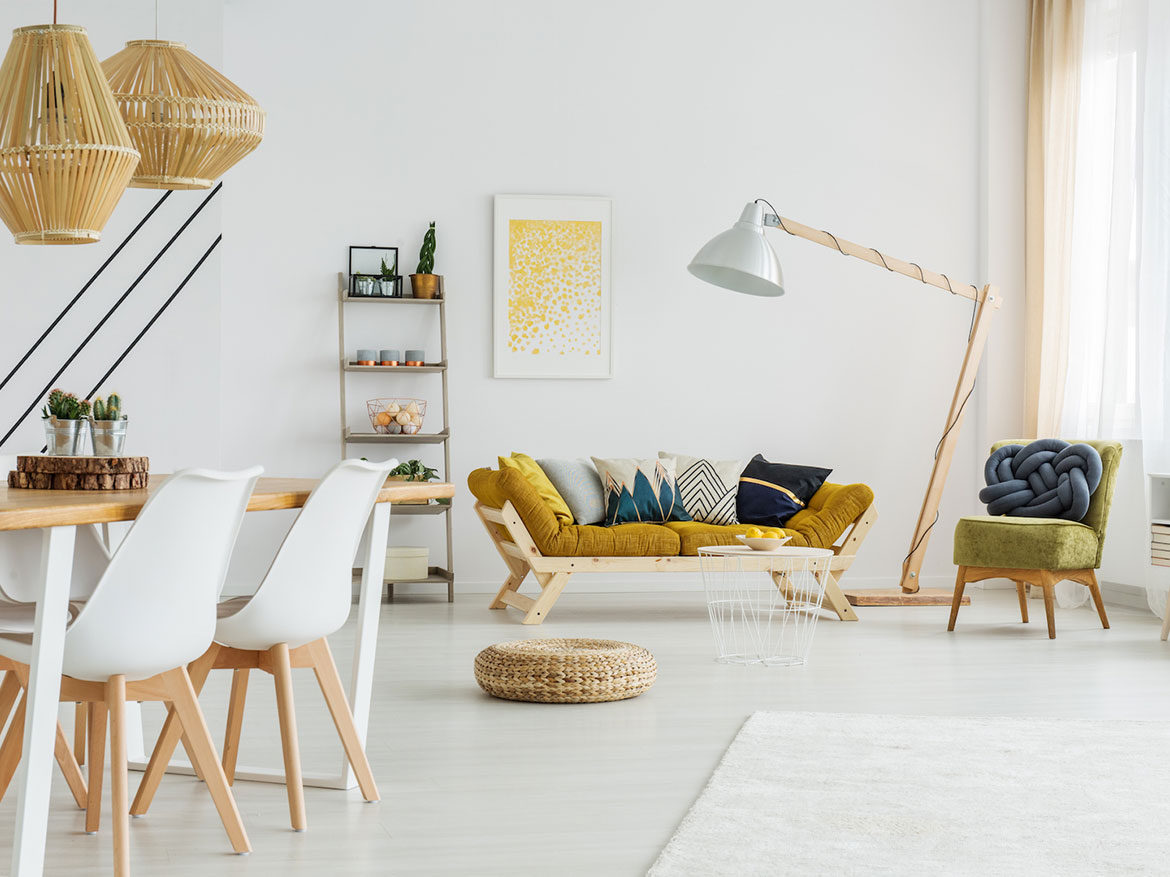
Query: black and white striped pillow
[707,488]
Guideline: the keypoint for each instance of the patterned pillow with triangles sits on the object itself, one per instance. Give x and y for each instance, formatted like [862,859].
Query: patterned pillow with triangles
[639,491]
[707,487]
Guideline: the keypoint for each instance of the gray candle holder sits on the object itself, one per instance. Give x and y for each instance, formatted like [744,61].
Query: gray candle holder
[416,356]
[390,356]
[367,355]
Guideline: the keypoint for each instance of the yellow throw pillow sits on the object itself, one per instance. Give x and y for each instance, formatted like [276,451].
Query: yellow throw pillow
[535,476]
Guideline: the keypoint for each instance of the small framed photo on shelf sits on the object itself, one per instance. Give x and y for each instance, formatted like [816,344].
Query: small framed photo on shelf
[373,271]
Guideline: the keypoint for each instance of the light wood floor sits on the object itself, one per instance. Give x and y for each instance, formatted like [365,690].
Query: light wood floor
[473,785]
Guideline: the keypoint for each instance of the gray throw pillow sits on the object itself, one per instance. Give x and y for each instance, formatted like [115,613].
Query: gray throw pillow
[580,486]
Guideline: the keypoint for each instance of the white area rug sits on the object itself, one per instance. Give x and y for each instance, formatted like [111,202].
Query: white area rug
[819,793]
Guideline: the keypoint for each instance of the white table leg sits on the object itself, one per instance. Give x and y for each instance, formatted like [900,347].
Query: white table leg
[365,644]
[35,774]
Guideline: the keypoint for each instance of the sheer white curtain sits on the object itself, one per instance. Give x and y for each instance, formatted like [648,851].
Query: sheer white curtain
[1119,355]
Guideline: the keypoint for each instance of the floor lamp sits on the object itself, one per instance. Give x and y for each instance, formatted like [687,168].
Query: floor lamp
[741,259]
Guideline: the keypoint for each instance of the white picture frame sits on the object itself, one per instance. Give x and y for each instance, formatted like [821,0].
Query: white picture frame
[529,287]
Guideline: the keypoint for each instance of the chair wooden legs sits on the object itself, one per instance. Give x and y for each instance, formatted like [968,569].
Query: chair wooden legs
[235,722]
[119,781]
[282,674]
[1045,579]
[11,748]
[203,751]
[1022,595]
[331,688]
[71,770]
[957,601]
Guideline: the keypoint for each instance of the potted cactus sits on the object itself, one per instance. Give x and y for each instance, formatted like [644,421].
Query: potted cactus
[66,424]
[389,279]
[109,426]
[424,283]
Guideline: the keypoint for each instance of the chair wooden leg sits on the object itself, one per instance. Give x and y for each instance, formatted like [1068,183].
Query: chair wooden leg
[334,693]
[119,780]
[1022,593]
[235,721]
[203,749]
[98,714]
[1050,609]
[511,585]
[169,738]
[9,691]
[282,674]
[1098,600]
[80,716]
[957,601]
[12,747]
[70,769]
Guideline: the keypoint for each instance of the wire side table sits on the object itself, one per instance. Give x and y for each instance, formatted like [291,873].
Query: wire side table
[764,605]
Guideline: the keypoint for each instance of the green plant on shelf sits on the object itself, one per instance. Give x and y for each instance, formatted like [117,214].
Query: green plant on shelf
[108,409]
[65,406]
[388,270]
[414,470]
[426,255]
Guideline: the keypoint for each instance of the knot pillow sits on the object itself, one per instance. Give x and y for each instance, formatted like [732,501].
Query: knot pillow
[1048,478]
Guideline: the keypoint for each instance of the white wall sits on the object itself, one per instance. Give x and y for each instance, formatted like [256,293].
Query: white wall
[170,381]
[871,120]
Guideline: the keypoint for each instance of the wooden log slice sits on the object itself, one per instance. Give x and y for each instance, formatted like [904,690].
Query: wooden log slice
[80,473]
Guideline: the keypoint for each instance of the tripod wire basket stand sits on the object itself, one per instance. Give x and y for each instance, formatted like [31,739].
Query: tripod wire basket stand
[764,605]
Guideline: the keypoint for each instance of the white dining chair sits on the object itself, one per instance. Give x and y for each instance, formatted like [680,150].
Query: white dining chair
[305,596]
[152,612]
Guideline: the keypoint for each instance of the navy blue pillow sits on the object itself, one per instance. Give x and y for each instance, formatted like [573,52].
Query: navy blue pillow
[771,493]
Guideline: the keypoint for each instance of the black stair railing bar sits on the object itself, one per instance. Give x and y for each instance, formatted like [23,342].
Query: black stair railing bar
[65,310]
[113,308]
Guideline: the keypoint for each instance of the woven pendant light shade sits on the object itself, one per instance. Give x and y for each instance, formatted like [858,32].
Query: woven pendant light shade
[65,154]
[190,122]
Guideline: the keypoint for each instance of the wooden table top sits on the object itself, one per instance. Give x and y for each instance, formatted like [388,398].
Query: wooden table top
[30,509]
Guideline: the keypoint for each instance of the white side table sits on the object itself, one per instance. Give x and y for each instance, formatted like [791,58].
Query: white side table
[764,605]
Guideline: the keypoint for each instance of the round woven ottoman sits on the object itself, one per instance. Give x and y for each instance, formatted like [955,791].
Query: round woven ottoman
[565,670]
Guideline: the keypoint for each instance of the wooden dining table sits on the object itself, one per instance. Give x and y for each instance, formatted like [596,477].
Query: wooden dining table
[58,514]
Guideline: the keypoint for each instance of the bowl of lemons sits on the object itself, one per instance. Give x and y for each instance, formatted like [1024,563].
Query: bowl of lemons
[763,539]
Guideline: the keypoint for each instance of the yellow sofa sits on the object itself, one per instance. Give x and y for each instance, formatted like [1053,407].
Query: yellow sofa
[530,538]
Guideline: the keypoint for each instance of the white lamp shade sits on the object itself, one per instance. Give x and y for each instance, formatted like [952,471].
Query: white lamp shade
[741,259]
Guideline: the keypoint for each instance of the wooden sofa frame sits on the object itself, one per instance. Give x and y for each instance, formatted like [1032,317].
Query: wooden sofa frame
[521,556]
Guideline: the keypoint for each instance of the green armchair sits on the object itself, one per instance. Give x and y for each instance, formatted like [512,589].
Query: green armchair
[1038,551]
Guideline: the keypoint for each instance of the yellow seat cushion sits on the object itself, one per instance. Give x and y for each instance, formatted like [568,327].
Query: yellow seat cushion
[694,535]
[555,539]
[1024,543]
[535,476]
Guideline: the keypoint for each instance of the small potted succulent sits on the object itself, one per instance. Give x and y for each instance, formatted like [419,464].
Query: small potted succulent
[109,426]
[66,423]
[413,470]
[424,283]
[388,282]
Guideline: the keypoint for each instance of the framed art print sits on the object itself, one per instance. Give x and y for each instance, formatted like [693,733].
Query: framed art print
[551,287]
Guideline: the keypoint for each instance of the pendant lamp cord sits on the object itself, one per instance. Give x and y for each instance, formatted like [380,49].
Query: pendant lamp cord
[155,18]
[54,11]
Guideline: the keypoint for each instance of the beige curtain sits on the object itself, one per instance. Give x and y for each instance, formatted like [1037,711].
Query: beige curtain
[1054,48]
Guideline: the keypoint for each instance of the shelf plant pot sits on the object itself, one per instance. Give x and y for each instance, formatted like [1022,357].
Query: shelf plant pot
[65,438]
[424,285]
[109,437]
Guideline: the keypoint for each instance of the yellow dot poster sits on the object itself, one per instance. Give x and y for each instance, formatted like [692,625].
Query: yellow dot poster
[552,287]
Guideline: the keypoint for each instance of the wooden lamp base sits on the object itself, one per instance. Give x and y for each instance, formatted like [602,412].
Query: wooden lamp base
[898,597]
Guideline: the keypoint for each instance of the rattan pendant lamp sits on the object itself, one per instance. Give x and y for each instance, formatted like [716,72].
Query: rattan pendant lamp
[190,122]
[65,154]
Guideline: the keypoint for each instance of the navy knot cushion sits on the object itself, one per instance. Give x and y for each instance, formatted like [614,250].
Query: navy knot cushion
[1045,479]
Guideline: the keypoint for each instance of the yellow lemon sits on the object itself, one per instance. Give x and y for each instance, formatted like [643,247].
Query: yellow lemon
[754,533]
[773,534]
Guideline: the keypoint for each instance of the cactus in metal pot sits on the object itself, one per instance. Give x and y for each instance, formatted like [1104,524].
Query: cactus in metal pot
[426,255]
[109,409]
[65,406]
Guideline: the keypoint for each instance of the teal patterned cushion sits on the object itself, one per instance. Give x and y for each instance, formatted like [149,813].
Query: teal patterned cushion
[640,491]
[580,486]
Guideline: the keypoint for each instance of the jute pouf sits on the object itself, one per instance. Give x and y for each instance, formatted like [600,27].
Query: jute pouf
[565,670]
